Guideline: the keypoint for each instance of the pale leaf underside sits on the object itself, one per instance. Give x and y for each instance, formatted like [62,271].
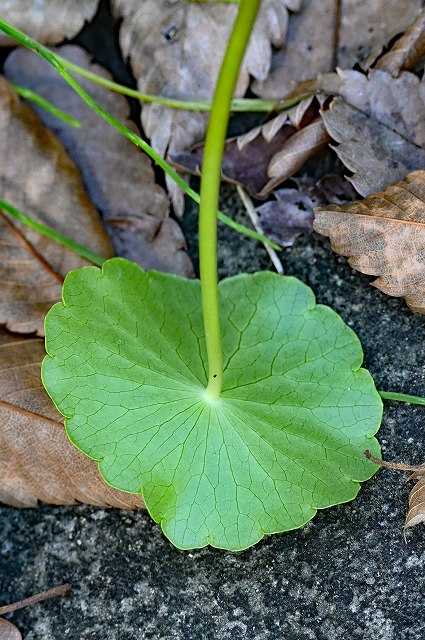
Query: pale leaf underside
[126,368]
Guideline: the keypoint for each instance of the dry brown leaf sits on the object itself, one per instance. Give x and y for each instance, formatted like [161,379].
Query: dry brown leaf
[290,214]
[37,460]
[416,513]
[38,177]
[384,235]
[329,33]
[8,631]
[55,592]
[379,125]
[48,21]
[407,50]
[176,48]
[118,177]
[262,143]
[294,153]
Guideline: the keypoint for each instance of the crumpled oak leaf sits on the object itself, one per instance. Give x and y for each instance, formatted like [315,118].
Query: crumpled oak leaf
[379,124]
[126,366]
[416,513]
[326,34]
[384,235]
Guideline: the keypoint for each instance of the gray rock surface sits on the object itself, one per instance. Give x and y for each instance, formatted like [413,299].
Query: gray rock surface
[346,575]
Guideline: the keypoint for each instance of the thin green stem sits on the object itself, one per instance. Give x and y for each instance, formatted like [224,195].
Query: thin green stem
[210,189]
[213,1]
[125,131]
[50,233]
[28,94]
[401,397]
[238,104]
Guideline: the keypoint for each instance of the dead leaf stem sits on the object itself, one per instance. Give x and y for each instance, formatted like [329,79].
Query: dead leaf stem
[55,592]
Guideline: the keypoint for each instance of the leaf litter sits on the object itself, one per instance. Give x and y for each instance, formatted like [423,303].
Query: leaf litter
[326,34]
[281,146]
[407,50]
[48,21]
[416,511]
[134,208]
[379,124]
[31,432]
[384,235]
[175,49]
[291,213]
[32,267]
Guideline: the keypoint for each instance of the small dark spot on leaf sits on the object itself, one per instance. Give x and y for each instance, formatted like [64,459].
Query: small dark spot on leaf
[215,375]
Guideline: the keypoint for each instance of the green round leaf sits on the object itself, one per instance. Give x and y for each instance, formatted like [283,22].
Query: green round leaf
[126,367]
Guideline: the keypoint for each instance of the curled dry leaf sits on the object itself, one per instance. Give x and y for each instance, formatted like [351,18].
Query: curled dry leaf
[38,177]
[407,50]
[294,153]
[118,177]
[175,49]
[308,52]
[291,212]
[276,154]
[37,460]
[379,125]
[384,235]
[48,21]
[416,513]
[8,631]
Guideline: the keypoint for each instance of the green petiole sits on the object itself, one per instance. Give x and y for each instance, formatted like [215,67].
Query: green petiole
[27,94]
[50,233]
[45,53]
[213,1]
[239,105]
[210,189]
[401,397]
